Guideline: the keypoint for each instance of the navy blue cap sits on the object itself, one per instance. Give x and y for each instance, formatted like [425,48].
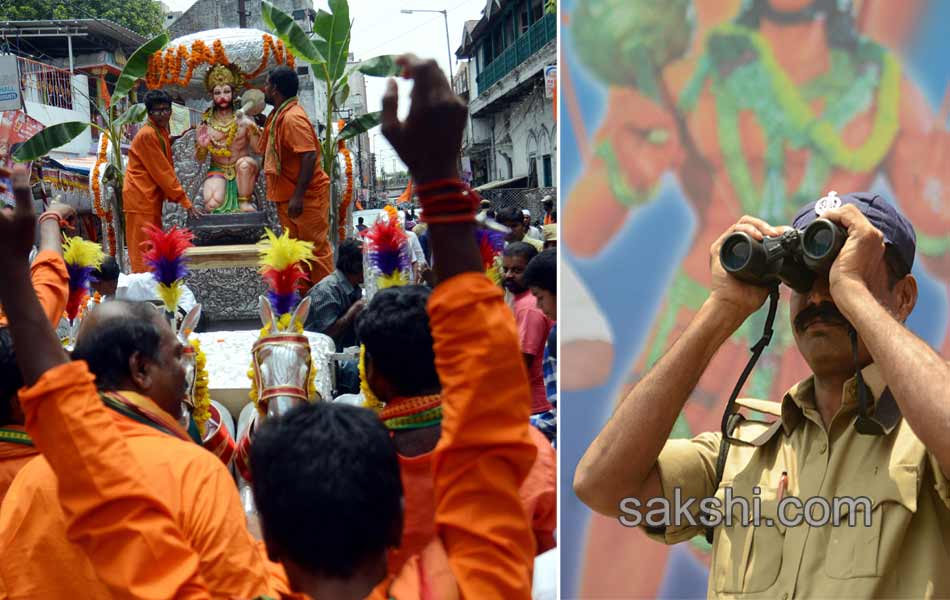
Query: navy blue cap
[897,230]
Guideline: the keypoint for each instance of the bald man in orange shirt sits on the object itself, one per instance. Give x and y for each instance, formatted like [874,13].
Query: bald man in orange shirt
[136,359]
[150,178]
[296,182]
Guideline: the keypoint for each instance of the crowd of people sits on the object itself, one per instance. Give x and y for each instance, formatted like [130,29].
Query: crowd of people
[449,491]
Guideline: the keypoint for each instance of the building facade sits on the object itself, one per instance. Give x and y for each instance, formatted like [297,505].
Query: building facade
[511,137]
[64,67]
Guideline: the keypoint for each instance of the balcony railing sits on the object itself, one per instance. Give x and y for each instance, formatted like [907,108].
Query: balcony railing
[45,84]
[539,34]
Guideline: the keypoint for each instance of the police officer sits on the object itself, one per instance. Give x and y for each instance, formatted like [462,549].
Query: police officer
[814,442]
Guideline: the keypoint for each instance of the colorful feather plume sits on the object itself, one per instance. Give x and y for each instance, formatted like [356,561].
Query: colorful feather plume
[82,257]
[165,256]
[388,251]
[281,261]
[490,245]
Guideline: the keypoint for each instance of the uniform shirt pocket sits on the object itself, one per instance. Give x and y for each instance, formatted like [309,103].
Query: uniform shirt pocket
[748,559]
[858,544]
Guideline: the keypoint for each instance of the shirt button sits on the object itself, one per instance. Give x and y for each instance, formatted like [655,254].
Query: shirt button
[822,448]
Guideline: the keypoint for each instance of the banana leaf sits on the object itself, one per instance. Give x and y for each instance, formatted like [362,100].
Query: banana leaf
[341,94]
[134,114]
[49,139]
[332,37]
[284,27]
[380,66]
[360,124]
[137,66]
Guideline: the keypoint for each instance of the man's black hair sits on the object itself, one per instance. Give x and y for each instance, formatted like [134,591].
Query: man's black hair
[541,271]
[359,220]
[285,80]
[510,214]
[107,271]
[155,98]
[327,486]
[394,329]
[522,249]
[108,346]
[10,378]
[349,256]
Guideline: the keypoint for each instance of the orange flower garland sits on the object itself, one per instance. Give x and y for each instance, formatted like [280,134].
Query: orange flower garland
[164,68]
[101,212]
[348,193]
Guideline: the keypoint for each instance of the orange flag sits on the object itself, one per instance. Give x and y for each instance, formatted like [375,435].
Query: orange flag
[406,196]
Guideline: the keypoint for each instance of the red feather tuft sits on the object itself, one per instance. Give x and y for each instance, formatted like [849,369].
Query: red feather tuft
[386,236]
[487,251]
[75,302]
[165,251]
[285,281]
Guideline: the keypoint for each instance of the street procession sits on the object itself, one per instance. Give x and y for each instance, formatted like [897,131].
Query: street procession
[272,324]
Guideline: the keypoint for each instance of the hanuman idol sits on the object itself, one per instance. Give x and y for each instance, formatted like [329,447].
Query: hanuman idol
[233,171]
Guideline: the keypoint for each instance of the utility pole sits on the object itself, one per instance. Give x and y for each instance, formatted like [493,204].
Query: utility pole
[448,44]
[242,14]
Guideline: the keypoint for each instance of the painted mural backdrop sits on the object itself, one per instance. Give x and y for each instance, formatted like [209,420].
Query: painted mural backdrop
[681,116]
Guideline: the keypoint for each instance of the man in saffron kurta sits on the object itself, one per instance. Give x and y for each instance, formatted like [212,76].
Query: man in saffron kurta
[132,351]
[296,182]
[150,178]
[50,283]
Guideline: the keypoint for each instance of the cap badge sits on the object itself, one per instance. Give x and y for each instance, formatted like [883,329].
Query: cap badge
[829,202]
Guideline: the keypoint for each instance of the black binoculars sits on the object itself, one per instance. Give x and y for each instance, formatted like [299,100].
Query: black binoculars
[793,258]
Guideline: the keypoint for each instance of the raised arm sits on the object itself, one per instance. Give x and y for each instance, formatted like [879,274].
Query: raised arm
[485,451]
[621,462]
[917,376]
[110,509]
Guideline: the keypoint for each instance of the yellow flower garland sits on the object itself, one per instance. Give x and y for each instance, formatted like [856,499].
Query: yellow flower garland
[822,133]
[202,397]
[370,400]
[230,131]
[283,324]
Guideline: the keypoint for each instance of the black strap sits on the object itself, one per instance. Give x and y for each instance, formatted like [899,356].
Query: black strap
[863,424]
[729,418]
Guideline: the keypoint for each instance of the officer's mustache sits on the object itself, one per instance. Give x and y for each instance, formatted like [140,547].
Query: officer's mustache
[824,311]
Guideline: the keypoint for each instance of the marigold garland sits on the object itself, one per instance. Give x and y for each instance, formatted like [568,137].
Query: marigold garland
[164,67]
[348,192]
[283,325]
[201,397]
[104,215]
[370,400]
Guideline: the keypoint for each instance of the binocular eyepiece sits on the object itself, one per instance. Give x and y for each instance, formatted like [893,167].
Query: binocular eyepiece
[794,258]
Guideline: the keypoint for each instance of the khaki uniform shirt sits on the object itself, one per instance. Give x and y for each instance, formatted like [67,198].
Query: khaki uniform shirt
[905,551]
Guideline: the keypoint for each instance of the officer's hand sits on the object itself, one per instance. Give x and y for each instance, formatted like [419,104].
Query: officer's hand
[861,259]
[740,298]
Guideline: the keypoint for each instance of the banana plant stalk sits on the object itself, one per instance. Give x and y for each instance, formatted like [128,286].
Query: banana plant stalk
[326,50]
[53,137]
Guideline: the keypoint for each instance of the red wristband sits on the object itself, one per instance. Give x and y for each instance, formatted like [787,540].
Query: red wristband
[46,216]
[450,199]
